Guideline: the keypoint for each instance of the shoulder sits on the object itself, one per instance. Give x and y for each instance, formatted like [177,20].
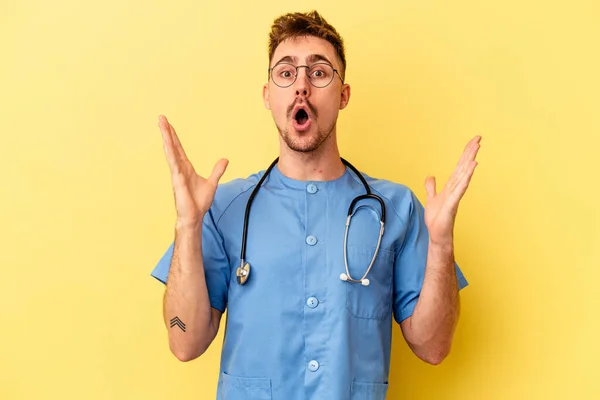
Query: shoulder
[398,196]
[237,189]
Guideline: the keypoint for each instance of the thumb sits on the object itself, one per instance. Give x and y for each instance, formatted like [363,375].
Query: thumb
[430,186]
[218,170]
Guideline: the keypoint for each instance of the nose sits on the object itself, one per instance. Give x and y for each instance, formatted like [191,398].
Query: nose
[302,86]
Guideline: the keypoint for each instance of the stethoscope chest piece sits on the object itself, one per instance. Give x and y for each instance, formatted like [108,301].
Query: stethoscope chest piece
[242,273]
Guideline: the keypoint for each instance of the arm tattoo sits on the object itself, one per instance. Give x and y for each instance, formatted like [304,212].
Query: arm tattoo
[177,322]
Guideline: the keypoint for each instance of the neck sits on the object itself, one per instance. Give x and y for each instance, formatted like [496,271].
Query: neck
[323,164]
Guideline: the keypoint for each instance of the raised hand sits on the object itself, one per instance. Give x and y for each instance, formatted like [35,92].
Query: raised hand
[193,194]
[441,209]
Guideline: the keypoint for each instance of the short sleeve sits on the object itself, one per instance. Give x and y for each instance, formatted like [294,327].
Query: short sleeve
[216,264]
[411,261]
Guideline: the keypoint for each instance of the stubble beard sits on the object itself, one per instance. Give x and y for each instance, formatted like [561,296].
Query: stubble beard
[305,145]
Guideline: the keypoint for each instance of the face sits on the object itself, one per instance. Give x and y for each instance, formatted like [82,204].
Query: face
[306,115]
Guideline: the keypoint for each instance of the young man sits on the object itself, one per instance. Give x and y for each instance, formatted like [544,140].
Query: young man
[304,320]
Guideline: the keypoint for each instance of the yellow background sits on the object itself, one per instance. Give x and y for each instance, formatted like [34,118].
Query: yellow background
[87,208]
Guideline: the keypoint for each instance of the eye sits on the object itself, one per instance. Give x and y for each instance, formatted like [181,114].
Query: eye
[285,71]
[320,71]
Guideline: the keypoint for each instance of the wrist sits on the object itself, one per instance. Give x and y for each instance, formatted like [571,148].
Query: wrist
[441,251]
[188,224]
[446,247]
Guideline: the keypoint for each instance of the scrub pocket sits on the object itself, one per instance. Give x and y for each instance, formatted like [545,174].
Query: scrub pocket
[238,388]
[368,391]
[373,301]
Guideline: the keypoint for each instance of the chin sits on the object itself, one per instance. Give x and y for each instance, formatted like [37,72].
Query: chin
[303,142]
[302,146]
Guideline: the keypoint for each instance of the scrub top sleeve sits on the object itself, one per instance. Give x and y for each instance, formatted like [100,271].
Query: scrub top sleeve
[161,270]
[411,261]
[215,260]
[216,263]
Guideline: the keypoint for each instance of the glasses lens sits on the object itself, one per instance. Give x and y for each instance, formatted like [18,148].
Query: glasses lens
[283,74]
[321,74]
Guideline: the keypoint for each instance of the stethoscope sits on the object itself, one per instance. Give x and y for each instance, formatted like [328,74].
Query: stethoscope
[243,271]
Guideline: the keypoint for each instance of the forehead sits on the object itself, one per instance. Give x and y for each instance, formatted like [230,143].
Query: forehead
[304,46]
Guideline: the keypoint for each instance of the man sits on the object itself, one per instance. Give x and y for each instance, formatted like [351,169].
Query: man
[304,322]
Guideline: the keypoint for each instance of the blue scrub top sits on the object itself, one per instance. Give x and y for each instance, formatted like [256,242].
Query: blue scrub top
[295,330]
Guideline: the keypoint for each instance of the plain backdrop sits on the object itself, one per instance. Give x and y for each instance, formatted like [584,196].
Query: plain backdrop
[87,207]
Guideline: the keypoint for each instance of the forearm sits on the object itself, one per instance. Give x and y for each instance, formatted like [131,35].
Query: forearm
[186,306]
[435,315]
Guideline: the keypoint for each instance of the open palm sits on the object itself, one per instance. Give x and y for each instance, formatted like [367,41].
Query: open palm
[441,208]
[193,193]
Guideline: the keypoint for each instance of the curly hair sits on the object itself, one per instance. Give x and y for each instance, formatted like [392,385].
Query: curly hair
[298,24]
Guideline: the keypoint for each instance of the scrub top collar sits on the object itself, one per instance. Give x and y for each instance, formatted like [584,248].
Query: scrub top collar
[279,178]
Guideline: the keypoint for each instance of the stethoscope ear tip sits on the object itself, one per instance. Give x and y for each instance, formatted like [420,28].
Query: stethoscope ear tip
[364,282]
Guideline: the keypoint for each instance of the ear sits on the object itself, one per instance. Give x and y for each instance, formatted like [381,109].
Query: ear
[266,96]
[345,97]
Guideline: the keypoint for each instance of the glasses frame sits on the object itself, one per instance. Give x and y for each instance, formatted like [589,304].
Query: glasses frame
[308,67]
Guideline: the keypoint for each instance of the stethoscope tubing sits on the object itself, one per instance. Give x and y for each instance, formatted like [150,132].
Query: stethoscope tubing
[244,267]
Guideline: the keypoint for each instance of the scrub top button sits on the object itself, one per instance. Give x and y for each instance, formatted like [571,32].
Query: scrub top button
[313,365]
[311,240]
[312,188]
[312,302]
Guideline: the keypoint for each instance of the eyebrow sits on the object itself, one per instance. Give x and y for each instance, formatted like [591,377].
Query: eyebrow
[312,58]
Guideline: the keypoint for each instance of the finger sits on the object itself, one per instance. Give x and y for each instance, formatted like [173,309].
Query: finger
[184,164]
[472,145]
[178,147]
[467,173]
[218,170]
[430,186]
[167,143]
[468,155]
[465,151]
[473,148]
[462,183]
[456,177]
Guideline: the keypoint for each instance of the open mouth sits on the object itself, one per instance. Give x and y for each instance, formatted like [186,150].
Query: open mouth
[301,116]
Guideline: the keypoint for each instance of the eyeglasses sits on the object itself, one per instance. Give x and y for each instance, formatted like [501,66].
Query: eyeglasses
[319,74]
